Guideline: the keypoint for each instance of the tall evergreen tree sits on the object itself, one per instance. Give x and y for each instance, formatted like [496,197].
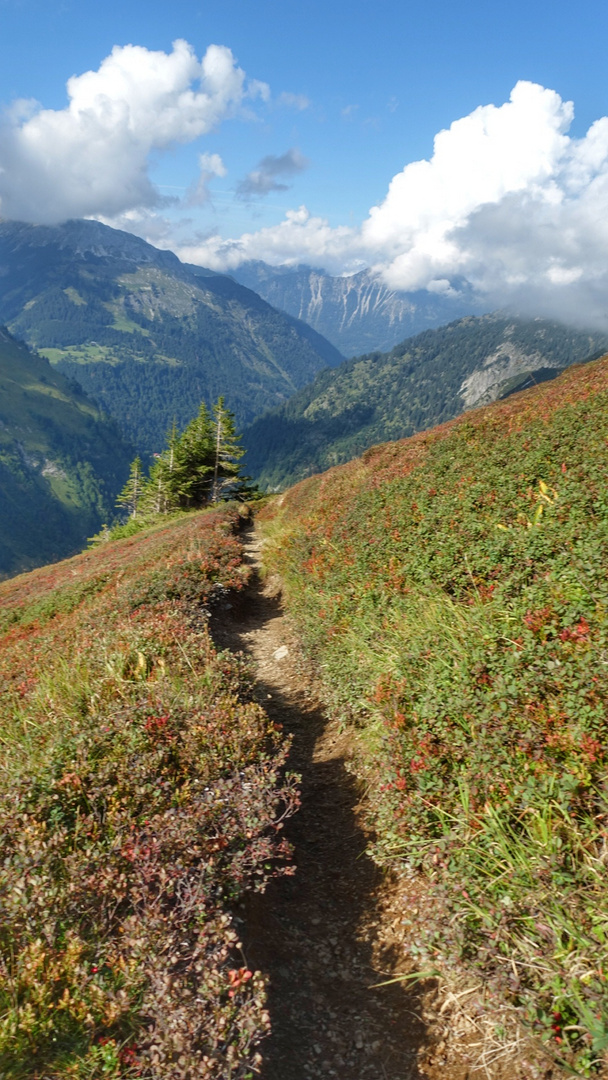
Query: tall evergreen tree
[227,449]
[166,478]
[195,468]
[131,495]
[196,451]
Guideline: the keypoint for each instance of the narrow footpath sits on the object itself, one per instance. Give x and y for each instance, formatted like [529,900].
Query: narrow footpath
[325,936]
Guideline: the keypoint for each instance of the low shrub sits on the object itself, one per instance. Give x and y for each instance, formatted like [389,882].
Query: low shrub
[453,590]
[141,792]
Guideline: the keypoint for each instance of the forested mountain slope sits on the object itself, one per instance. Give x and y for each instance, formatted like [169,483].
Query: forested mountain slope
[61,462]
[425,380]
[357,313]
[144,336]
[452,589]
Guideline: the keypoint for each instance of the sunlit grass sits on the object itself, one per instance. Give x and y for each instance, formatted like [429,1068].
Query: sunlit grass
[452,589]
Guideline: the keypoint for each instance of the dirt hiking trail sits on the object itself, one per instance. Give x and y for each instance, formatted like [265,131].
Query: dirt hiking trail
[325,936]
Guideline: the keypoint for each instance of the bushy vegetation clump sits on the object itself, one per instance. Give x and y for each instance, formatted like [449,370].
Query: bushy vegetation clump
[141,792]
[198,467]
[454,590]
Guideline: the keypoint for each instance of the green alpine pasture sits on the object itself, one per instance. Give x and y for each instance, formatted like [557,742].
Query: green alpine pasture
[143,335]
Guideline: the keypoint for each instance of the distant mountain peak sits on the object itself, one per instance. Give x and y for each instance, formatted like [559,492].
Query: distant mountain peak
[84,237]
[356,312]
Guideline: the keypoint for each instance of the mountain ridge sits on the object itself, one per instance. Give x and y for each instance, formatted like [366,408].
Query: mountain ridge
[426,380]
[143,335]
[357,312]
[62,463]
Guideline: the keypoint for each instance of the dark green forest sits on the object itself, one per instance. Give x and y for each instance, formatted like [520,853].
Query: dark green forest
[383,396]
[143,335]
[61,461]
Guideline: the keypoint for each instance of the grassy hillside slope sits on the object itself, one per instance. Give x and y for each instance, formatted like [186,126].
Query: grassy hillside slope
[453,589]
[139,790]
[423,381]
[61,462]
[144,336]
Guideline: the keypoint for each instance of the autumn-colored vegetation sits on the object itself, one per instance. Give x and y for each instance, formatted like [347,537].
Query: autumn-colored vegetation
[453,589]
[141,792]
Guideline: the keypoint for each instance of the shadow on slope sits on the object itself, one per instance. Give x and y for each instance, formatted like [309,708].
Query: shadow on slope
[314,935]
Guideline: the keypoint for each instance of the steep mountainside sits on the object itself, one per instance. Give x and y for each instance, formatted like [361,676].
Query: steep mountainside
[61,462]
[356,313]
[426,380]
[452,589]
[145,336]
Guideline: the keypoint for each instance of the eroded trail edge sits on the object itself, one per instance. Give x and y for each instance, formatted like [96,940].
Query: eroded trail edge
[326,935]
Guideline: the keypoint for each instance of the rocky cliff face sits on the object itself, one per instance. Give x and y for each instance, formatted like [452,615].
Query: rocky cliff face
[426,380]
[492,380]
[357,313]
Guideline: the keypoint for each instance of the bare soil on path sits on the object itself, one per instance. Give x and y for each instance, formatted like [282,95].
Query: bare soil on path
[324,937]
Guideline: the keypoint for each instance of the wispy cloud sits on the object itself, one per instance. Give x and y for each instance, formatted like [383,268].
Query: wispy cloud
[266,177]
[211,165]
[294,101]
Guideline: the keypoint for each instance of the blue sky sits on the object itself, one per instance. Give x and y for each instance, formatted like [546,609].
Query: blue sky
[356,92]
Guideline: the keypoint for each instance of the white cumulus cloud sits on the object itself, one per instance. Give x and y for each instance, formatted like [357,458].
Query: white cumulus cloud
[480,160]
[509,202]
[299,238]
[91,158]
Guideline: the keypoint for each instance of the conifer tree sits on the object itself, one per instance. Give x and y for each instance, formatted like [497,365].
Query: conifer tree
[131,495]
[196,449]
[227,451]
[195,467]
[166,477]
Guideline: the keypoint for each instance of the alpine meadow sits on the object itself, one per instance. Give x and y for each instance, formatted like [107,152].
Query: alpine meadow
[452,590]
[303,541]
